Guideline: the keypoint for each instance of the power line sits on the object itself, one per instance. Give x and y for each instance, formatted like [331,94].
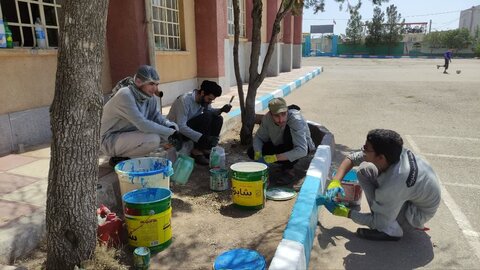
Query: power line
[431,14]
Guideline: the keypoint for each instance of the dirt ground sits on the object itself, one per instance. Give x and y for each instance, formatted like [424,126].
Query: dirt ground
[205,223]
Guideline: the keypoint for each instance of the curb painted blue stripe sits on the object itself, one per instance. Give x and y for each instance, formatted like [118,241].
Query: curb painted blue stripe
[285,90]
[303,220]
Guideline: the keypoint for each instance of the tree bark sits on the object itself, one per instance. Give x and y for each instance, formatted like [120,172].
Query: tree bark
[255,78]
[75,118]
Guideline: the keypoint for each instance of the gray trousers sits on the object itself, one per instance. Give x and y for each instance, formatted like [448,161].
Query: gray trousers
[135,144]
[367,177]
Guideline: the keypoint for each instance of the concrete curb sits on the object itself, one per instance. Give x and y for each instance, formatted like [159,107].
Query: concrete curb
[293,252]
[261,103]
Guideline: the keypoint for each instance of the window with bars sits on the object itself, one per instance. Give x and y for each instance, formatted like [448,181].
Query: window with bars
[166,25]
[231,25]
[22,14]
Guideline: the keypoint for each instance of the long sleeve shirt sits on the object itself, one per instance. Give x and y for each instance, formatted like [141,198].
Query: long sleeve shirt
[448,55]
[301,138]
[185,108]
[409,180]
[129,110]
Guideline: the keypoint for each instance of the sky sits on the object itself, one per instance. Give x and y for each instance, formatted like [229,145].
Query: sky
[445,14]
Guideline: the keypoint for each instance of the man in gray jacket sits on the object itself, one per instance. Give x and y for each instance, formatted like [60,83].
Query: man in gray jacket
[132,125]
[401,188]
[197,120]
[283,137]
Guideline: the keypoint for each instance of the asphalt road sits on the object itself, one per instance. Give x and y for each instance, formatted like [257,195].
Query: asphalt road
[438,116]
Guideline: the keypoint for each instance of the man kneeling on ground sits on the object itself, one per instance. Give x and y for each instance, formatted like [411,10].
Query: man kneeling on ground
[197,120]
[132,125]
[401,188]
[283,137]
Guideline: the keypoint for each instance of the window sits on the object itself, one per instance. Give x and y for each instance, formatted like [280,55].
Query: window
[21,15]
[166,25]
[231,25]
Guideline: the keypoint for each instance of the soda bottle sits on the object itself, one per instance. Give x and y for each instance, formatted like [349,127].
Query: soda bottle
[40,34]
[8,35]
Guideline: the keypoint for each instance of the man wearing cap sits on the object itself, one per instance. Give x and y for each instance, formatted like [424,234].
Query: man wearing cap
[197,120]
[132,125]
[283,137]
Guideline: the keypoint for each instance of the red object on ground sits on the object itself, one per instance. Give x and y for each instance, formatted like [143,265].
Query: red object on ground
[110,231]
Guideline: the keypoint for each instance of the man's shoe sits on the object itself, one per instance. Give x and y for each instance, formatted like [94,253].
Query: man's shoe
[200,159]
[375,235]
[445,72]
[115,160]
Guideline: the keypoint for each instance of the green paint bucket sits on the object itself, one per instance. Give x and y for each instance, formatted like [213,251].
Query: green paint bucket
[148,214]
[249,184]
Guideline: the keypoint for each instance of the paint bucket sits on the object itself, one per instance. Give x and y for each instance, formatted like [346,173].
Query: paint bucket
[148,215]
[249,184]
[219,179]
[146,172]
[353,190]
[240,258]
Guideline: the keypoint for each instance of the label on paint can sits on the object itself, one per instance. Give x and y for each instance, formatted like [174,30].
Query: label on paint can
[141,258]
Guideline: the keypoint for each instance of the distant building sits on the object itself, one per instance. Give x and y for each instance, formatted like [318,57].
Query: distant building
[470,19]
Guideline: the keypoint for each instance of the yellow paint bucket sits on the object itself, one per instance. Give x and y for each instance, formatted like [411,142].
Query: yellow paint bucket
[249,184]
[148,215]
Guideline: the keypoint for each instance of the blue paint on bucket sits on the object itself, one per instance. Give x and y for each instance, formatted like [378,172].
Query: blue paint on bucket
[351,176]
[147,195]
[240,259]
[151,166]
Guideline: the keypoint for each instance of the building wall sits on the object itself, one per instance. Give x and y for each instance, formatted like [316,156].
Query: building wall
[470,19]
[29,81]
[28,86]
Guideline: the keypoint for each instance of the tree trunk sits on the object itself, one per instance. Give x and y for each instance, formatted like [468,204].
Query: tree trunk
[256,79]
[75,118]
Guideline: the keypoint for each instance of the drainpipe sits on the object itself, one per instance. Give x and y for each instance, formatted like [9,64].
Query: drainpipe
[149,29]
[151,45]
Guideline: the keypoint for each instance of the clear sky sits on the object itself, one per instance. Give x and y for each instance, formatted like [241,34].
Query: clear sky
[445,14]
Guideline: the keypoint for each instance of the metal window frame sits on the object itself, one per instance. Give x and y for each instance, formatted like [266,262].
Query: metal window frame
[168,25]
[41,10]
[230,22]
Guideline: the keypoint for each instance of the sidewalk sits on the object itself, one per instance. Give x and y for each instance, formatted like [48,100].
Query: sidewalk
[24,177]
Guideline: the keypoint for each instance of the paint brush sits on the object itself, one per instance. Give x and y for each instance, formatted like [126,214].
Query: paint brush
[231,99]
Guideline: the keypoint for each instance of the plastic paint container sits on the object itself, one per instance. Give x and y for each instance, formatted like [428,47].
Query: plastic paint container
[148,215]
[249,184]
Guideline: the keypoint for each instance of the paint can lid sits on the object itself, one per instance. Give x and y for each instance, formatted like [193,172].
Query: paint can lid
[280,193]
[240,259]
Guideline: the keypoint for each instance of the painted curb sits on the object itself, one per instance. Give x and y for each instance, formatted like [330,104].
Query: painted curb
[261,103]
[293,252]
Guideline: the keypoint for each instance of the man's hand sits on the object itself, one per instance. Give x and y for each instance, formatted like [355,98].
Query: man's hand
[226,108]
[333,188]
[333,207]
[270,158]
[257,155]
[176,139]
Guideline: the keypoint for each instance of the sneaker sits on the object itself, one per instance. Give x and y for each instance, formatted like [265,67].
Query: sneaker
[115,160]
[445,72]
[375,235]
[200,159]
[438,66]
